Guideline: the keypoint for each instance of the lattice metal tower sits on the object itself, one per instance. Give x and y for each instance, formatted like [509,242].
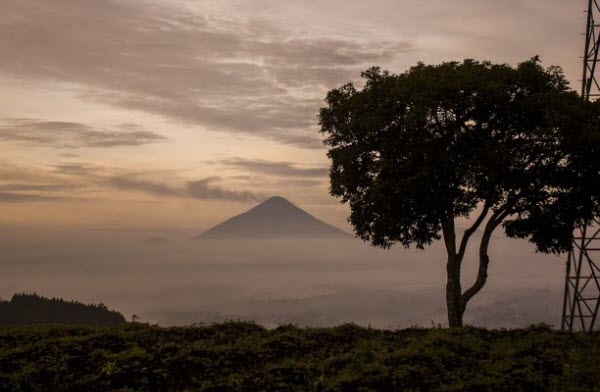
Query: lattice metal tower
[582,284]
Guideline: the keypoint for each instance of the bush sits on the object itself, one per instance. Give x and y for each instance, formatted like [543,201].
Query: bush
[245,356]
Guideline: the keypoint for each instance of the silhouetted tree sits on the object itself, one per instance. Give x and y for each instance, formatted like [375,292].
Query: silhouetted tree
[513,147]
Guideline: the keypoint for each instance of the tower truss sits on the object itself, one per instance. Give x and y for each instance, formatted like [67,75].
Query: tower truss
[582,284]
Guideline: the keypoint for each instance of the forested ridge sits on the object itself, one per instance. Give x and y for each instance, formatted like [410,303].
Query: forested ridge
[34,309]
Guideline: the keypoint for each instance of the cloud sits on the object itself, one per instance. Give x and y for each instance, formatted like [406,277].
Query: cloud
[299,183]
[146,186]
[203,189]
[22,184]
[153,183]
[32,187]
[82,180]
[76,169]
[298,140]
[13,197]
[66,134]
[219,73]
[284,169]
[155,240]
[19,193]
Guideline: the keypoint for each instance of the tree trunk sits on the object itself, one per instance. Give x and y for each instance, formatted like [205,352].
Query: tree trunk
[454,303]
[456,300]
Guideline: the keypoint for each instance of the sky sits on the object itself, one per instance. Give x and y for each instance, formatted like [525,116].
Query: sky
[141,114]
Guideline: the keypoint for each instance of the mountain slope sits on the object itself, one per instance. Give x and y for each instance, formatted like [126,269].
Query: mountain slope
[274,218]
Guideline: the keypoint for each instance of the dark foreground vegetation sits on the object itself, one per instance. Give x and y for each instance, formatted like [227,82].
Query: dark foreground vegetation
[34,309]
[245,356]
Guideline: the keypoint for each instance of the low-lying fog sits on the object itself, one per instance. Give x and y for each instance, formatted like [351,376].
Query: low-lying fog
[168,278]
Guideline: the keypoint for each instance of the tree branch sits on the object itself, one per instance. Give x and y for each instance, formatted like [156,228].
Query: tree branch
[484,260]
[471,230]
[501,217]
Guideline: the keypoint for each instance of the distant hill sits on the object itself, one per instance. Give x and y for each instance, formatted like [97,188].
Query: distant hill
[33,309]
[274,218]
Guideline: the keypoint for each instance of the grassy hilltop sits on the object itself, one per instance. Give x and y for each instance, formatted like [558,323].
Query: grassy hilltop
[245,356]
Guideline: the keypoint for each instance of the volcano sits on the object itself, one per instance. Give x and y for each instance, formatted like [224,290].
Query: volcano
[274,218]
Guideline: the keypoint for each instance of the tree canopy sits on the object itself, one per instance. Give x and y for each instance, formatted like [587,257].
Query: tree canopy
[412,152]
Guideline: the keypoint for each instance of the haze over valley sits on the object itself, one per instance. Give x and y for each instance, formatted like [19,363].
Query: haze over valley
[173,278]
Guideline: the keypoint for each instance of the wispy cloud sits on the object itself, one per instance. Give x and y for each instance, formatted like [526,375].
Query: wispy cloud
[18,193]
[19,184]
[14,197]
[31,187]
[203,189]
[77,169]
[146,186]
[284,169]
[220,73]
[65,134]
[82,180]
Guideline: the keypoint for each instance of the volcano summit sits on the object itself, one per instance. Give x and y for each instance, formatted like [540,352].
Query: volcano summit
[274,218]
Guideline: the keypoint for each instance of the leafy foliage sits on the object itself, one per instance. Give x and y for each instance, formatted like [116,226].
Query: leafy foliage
[412,151]
[34,309]
[245,356]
